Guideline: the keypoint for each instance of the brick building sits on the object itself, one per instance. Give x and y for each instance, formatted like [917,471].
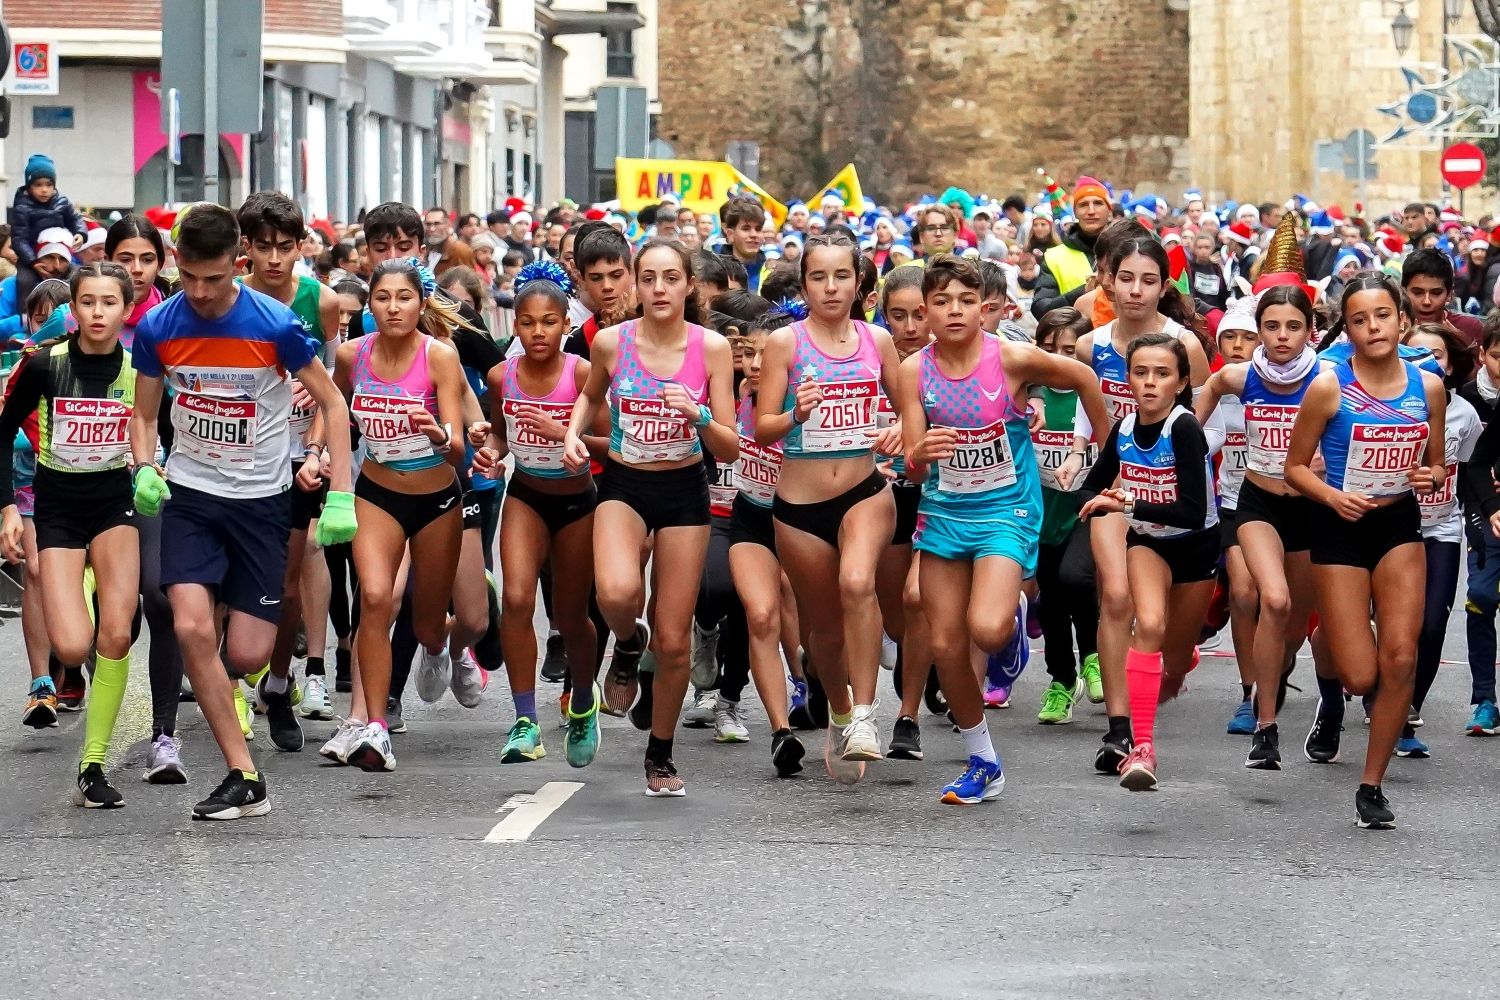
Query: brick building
[928,93]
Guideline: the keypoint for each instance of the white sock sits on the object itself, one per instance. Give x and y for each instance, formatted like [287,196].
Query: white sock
[977,742]
[277,685]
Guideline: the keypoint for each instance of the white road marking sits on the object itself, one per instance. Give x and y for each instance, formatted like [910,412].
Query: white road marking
[527,812]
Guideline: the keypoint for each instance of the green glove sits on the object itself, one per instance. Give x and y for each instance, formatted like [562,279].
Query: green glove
[150,490]
[336,525]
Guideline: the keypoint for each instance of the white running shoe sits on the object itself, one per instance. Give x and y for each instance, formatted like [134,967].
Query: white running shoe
[701,714]
[315,701]
[840,768]
[728,726]
[164,763]
[887,652]
[862,736]
[371,750]
[338,746]
[705,656]
[432,674]
[469,680]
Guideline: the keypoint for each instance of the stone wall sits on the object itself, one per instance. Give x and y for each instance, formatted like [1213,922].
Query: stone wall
[927,93]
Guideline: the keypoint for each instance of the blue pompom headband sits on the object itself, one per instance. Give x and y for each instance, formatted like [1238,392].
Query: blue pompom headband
[545,270]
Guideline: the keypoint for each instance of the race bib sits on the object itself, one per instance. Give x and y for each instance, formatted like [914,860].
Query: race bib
[651,431]
[1118,402]
[301,418]
[215,430]
[1268,435]
[1380,455]
[721,489]
[844,420]
[1052,449]
[1233,457]
[757,470]
[530,448]
[90,433]
[1150,485]
[389,434]
[1439,506]
[1207,283]
[981,461]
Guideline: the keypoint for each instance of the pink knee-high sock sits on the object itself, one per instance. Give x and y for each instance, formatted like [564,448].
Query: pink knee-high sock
[1143,678]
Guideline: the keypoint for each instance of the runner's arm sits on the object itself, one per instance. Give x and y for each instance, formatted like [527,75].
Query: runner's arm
[149,393]
[720,437]
[771,423]
[335,413]
[23,395]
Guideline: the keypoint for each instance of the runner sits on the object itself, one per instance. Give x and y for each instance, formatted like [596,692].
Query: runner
[1274,523]
[406,393]
[1483,584]
[227,351]
[981,514]
[1160,455]
[83,389]
[653,483]
[1378,421]
[548,515]
[820,385]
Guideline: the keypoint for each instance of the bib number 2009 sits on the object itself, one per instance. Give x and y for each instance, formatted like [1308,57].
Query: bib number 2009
[220,430]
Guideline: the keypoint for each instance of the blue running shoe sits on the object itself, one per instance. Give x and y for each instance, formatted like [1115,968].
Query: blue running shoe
[1243,723]
[1412,748]
[799,714]
[981,782]
[1486,719]
[1004,667]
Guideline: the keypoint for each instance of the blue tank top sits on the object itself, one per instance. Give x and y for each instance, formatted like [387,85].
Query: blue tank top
[1150,474]
[1340,351]
[1269,417]
[1114,377]
[1370,443]
[992,474]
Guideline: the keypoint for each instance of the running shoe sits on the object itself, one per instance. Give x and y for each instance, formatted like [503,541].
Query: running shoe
[242,709]
[582,742]
[1004,667]
[799,715]
[787,752]
[1243,722]
[623,681]
[315,701]
[1414,719]
[996,696]
[906,740]
[185,690]
[980,783]
[932,695]
[1138,771]
[889,650]
[341,742]
[840,769]
[524,743]
[237,797]
[662,781]
[432,675]
[164,762]
[370,749]
[555,663]
[862,735]
[71,692]
[1058,702]
[1371,809]
[394,722]
[1322,743]
[1265,750]
[1485,721]
[1093,679]
[645,704]
[705,656]
[1411,748]
[700,715]
[94,791]
[281,720]
[1112,754]
[41,705]
[468,680]
[729,726]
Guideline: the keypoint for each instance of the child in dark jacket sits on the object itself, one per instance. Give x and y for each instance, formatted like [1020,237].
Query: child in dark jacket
[38,206]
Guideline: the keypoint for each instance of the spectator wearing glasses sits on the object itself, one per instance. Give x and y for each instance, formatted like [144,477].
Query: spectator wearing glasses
[937,229]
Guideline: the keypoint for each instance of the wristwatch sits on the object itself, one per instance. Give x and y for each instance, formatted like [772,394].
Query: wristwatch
[1129,505]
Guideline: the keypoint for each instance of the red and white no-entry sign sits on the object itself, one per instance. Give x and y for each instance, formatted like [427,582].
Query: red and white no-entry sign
[1463,165]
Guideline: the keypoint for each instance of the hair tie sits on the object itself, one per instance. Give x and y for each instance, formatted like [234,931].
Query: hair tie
[424,276]
[795,308]
[544,270]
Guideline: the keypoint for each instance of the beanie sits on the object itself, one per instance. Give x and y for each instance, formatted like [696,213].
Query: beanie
[39,167]
[1088,187]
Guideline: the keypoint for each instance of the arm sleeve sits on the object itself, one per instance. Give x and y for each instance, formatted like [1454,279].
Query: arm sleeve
[1190,508]
[1214,430]
[1106,467]
[27,385]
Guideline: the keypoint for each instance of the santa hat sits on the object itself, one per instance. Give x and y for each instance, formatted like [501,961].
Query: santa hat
[1388,242]
[1242,233]
[520,218]
[1247,213]
[1345,258]
[96,237]
[514,205]
[1320,224]
[54,240]
[1449,215]
[594,214]
[1191,195]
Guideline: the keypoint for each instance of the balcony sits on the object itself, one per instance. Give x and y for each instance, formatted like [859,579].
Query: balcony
[477,66]
[508,45]
[553,20]
[363,18]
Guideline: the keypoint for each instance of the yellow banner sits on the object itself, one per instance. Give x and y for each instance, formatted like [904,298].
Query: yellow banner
[845,184]
[702,185]
[775,209]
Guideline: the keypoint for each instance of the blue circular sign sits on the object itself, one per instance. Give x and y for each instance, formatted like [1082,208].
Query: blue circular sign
[1422,108]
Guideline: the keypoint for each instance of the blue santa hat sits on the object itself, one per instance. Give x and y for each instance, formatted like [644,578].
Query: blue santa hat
[1320,224]
[1346,257]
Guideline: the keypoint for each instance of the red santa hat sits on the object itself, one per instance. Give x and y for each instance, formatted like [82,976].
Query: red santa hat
[1242,233]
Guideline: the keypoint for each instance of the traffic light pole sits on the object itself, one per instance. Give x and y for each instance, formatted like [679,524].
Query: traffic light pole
[211,101]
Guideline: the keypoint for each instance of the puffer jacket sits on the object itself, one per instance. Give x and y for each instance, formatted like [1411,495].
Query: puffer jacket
[28,217]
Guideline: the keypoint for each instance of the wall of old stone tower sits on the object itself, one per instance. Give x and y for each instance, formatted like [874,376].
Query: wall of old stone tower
[926,93]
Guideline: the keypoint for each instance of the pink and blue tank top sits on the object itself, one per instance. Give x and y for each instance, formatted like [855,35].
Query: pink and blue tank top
[843,424]
[1370,444]
[380,408]
[759,466]
[534,454]
[642,428]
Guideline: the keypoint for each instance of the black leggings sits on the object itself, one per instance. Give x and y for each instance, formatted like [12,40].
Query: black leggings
[164,659]
[343,603]
[1442,587]
[1068,607]
[719,606]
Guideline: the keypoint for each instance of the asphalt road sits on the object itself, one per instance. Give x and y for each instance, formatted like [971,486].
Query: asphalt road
[1226,883]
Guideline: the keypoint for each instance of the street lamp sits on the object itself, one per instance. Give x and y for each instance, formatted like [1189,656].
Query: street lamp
[1402,27]
[1453,12]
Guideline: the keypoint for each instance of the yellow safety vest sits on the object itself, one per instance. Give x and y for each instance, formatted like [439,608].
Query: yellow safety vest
[1070,267]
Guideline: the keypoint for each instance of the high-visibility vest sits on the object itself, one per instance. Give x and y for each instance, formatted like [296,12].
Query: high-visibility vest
[1070,267]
